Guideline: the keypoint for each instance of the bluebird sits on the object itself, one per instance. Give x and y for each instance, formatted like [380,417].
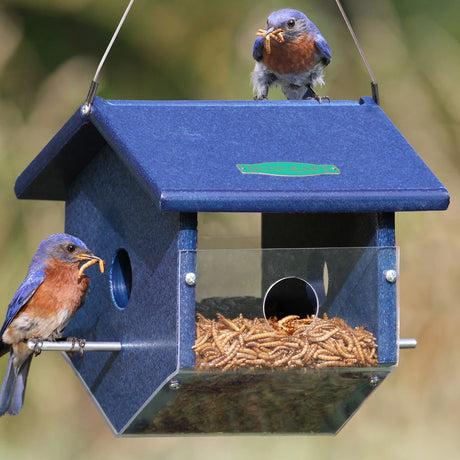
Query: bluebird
[54,289]
[291,53]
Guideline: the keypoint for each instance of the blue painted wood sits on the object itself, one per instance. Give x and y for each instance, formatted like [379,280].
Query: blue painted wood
[185,153]
[109,210]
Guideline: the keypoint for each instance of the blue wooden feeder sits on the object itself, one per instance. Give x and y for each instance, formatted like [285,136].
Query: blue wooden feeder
[327,180]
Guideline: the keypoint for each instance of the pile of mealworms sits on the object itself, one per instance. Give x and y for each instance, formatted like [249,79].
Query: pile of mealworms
[289,342]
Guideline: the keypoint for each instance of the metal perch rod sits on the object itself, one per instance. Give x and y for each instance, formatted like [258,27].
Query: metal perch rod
[73,346]
[116,346]
[407,343]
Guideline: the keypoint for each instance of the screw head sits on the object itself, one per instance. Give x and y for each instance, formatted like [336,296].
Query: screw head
[391,276]
[174,385]
[85,109]
[190,279]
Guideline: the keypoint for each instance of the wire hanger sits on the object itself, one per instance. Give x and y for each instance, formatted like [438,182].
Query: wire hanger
[94,83]
[374,85]
[86,108]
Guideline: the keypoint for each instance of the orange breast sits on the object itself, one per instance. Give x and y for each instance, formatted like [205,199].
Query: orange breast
[60,290]
[54,302]
[296,56]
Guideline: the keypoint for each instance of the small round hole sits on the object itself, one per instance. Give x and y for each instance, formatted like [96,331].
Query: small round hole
[290,296]
[121,278]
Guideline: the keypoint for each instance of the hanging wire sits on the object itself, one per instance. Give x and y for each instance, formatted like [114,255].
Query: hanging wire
[94,83]
[374,85]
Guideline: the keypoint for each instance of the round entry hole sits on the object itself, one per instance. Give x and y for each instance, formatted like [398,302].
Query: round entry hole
[121,278]
[290,296]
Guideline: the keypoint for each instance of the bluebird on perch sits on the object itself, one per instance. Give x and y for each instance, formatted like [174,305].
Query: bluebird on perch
[54,289]
[290,52]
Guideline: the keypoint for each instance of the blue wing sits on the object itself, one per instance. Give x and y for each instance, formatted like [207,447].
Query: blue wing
[258,49]
[323,48]
[22,296]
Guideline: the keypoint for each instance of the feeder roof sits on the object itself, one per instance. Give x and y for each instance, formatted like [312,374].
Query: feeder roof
[246,156]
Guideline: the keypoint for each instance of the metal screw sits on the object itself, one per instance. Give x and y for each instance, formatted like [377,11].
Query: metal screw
[374,380]
[190,279]
[85,109]
[391,276]
[174,385]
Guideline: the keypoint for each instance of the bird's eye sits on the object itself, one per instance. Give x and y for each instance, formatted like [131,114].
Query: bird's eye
[291,23]
[71,248]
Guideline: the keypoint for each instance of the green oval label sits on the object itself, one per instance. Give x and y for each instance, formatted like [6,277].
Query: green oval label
[281,168]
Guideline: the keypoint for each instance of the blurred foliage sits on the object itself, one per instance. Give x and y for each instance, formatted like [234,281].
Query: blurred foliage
[49,51]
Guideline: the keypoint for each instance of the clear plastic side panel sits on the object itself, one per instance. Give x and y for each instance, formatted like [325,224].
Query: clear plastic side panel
[286,340]
[291,308]
[309,401]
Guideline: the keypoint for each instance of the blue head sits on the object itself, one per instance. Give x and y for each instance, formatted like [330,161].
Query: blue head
[293,23]
[62,247]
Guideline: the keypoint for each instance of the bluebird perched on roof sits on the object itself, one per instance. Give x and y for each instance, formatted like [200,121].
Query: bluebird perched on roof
[54,289]
[292,53]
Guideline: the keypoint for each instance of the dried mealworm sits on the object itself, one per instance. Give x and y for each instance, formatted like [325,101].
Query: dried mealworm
[280,361]
[88,264]
[228,322]
[361,358]
[324,336]
[328,357]
[263,335]
[216,338]
[221,361]
[227,338]
[286,319]
[300,355]
[249,351]
[201,342]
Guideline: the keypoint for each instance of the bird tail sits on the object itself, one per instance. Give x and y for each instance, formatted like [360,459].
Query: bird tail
[14,386]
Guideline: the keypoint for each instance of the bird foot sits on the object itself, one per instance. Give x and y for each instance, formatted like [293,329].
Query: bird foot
[77,345]
[38,345]
[320,99]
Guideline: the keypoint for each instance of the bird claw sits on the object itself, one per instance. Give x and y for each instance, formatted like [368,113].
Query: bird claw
[311,95]
[321,99]
[77,342]
[38,345]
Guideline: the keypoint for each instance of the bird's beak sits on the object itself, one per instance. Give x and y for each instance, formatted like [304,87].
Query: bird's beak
[90,259]
[274,30]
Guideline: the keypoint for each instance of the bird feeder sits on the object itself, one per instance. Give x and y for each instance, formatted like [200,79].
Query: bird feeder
[325,179]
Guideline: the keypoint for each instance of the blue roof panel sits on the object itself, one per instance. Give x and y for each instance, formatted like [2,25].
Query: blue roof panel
[228,156]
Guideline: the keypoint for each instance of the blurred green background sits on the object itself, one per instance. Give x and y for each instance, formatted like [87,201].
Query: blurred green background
[201,49]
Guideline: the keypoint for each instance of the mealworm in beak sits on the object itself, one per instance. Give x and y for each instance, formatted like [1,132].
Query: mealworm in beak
[88,264]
